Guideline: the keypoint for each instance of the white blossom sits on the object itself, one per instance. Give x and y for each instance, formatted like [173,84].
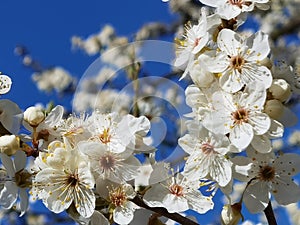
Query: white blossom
[238,61]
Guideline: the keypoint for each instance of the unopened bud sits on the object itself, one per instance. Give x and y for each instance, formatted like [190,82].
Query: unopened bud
[231,214]
[280,89]
[34,116]
[9,144]
[274,108]
[201,77]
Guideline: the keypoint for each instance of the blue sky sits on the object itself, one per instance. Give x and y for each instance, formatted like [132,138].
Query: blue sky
[46,27]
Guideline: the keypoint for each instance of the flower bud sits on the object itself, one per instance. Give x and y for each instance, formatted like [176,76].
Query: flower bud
[9,144]
[280,90]
[231,214]
[274,108]
[34,116]
[201,77]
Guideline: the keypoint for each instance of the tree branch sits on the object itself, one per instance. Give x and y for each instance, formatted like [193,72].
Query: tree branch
[292,26]
[163,212]
[270,214]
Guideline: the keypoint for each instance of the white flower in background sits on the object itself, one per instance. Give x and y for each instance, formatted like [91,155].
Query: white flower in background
[206,155]
[34,116]
[120,132]
[5,84]
[9,144]
[178,194]
[17,182]
[267,174]
[238,61]
[56,78]
[229,9]
[10,116]
[64,179]
[117,167]
[294,138]
[239,115]
[195,38]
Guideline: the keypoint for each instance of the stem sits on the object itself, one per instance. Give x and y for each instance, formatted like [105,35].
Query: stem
[163,212]
[270,214]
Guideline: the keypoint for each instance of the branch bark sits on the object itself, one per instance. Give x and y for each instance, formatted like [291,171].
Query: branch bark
[163,212]
[270,214]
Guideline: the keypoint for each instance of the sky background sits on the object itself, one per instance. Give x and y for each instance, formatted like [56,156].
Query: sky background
[46,27]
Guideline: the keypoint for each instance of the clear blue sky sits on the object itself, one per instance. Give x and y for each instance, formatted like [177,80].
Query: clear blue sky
[46,27]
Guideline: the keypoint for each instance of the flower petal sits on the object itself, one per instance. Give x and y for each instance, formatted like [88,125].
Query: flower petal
[241,135]
[285,190]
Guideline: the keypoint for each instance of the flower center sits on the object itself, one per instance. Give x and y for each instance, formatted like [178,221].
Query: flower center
[207,148]
[73,180]
[197,42]
[117,196]
[105,136]
[237,63]
[23,179]
[240,116]
[176,189]
[238,3]
[266,173]
[107,162]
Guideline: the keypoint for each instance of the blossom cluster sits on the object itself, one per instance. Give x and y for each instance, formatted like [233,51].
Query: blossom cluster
[101,167]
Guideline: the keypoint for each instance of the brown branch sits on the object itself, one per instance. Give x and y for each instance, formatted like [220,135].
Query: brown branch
[270,214]
[163,212]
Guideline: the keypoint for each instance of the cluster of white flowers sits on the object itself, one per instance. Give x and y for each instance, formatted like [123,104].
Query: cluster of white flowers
[100,167]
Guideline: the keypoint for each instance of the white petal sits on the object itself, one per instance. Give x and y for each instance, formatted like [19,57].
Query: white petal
[188,143]
[261,143]
[198,202]
[220,170]
[252,72]
[230,42]
[155,195]
[260,122]
[214,63]
[287,164]
[23,201]
[228,11]
[256,197]
[174,203]
[8,195]
[242,166]
[20,160]
[259,46]
[85,202]
[285,190]
[231,81]
[241,135]
[276,129]
[8,164]
[122,215]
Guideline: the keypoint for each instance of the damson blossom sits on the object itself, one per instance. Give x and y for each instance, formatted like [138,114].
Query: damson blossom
[117,167]
[206,155]
[120,132]
[229,9]
[267,174]
[64,179]
[195,38]
[178,194]
[16,183]
[239,61]
[239,115]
